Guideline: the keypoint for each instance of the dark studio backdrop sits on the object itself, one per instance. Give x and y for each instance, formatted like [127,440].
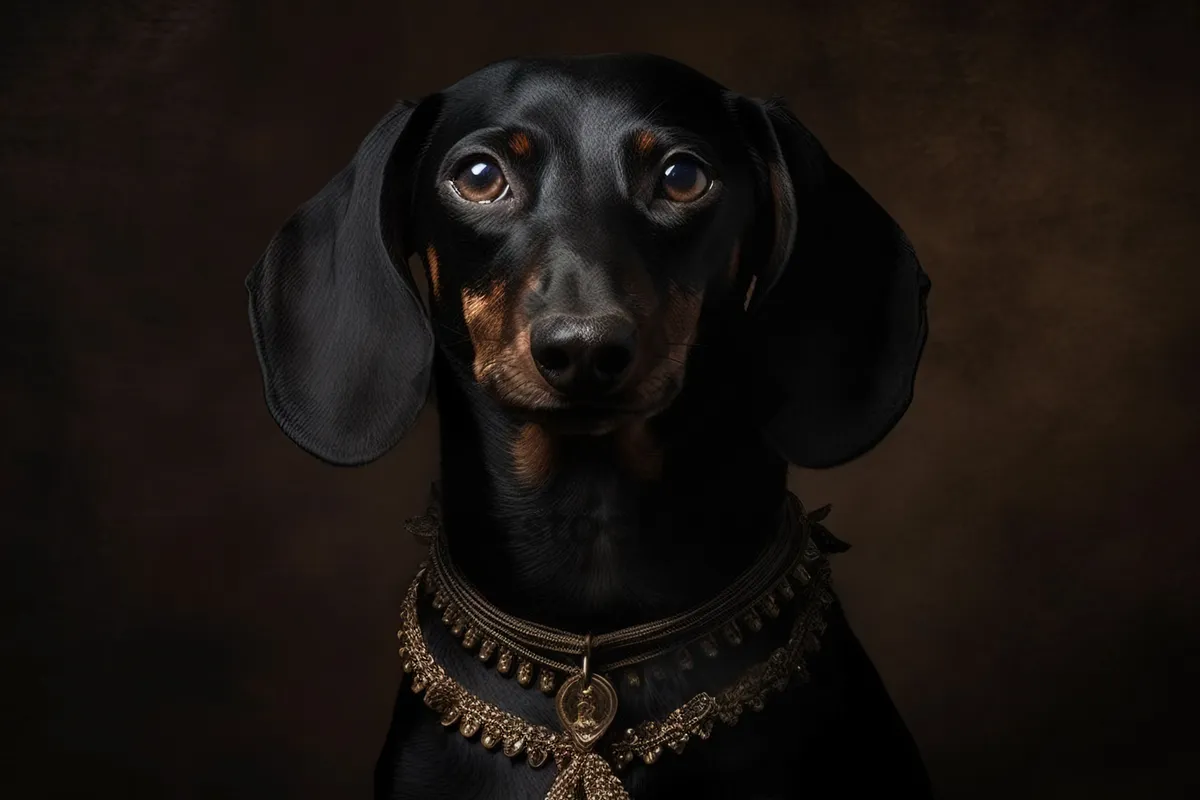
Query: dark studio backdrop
[200,610]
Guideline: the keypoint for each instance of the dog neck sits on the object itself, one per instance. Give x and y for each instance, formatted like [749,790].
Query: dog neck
[598,532]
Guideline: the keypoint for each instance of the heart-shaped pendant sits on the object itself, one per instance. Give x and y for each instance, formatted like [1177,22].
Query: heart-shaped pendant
[586,710]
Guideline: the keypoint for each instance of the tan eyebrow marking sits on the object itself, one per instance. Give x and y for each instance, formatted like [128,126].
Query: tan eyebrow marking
[643,142]
[520,144]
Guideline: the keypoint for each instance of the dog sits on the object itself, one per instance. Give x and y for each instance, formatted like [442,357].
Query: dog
[647,296]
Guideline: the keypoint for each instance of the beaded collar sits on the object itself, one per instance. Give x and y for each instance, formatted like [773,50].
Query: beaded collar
[586,700]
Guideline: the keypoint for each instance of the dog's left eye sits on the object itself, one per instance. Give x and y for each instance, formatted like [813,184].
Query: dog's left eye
[684,180]
[481,181]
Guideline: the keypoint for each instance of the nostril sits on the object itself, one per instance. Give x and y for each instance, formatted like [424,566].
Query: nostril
[612,359]
[583,355]
[552,358]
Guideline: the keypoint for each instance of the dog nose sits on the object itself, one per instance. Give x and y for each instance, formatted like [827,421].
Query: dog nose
[583,355]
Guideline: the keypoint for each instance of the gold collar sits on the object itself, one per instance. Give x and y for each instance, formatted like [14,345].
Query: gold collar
[587,703]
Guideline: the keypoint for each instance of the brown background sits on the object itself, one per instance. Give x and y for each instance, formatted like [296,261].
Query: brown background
[203,611]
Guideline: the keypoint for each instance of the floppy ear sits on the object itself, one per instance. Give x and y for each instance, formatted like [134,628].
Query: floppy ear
[342,336]
[838,299]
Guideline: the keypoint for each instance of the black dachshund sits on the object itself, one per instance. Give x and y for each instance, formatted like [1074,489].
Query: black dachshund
[647,295]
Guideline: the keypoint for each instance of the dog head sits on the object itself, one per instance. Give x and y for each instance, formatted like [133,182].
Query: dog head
[579,221]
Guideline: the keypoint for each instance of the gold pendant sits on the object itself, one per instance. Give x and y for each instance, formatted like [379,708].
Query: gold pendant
[587,706]
[586,711]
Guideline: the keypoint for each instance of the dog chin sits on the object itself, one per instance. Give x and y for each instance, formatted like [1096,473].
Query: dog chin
[573,421]
[562,416]
[594,420]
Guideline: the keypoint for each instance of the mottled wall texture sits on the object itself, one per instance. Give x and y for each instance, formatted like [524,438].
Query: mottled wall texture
[199,610]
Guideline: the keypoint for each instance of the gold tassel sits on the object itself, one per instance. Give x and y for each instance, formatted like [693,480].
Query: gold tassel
[587,777]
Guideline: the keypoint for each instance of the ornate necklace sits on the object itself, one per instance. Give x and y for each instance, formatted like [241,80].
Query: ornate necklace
[586,702]
[524,646]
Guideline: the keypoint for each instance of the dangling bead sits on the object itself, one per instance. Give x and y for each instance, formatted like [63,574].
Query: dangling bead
[490,738]
[470,639]
[469,726]
[525,673]
[536,756]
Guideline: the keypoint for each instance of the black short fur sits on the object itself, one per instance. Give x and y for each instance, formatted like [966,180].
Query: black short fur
[649,504]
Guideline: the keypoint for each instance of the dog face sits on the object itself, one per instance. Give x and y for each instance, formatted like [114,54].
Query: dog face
[582,221]
[573,217]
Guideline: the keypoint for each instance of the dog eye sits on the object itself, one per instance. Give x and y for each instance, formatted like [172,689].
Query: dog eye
[481,181]
[684,180]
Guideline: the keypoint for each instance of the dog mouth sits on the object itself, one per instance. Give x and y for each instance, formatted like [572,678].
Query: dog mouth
[596,417]
[591,420]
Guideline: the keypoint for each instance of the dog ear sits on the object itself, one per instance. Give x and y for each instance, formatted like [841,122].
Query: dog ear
[342,336]
[838,301]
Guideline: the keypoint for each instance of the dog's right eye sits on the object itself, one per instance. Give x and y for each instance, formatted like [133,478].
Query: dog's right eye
[684,180]
[480,181]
